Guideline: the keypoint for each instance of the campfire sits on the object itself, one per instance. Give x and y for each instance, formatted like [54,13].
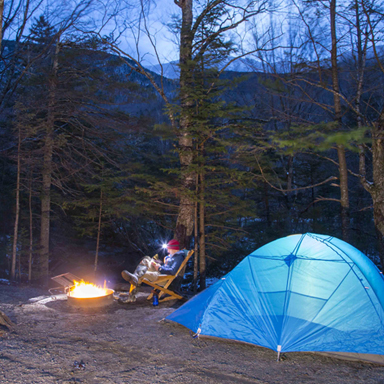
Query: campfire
[83,294]
[83,290]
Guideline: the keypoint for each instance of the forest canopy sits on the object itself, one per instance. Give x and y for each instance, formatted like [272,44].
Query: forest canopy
[270,123]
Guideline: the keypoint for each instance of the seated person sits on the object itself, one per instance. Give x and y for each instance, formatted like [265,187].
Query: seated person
[151,269]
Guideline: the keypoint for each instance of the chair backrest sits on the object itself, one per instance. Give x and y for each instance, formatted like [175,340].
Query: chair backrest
[181,270]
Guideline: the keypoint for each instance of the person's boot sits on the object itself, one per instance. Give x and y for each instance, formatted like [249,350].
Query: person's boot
[130,277]
[130,299]
[127,298]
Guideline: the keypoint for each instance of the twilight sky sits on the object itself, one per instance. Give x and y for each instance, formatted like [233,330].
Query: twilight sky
[160,14]
[126,24]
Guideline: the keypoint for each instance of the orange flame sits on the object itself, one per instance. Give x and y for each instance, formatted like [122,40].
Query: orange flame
[87,290]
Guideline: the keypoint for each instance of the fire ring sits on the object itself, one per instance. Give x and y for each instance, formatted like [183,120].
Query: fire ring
[91,302]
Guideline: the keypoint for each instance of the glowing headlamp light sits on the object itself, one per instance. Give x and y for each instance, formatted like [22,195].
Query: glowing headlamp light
[164,246]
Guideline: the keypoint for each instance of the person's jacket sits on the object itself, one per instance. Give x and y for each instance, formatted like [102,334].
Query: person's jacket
[173,263]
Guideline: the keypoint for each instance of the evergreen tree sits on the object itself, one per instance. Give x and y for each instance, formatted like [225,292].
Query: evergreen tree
[71,127]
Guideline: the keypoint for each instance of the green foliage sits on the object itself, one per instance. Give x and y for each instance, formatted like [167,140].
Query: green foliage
[41,32]
[257,146]
[317,138]
[91,131]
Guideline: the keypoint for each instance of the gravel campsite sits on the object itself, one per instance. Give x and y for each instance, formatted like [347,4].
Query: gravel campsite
[192,192]
[52,342]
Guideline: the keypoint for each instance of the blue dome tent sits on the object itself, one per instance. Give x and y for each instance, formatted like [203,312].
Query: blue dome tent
[310,292]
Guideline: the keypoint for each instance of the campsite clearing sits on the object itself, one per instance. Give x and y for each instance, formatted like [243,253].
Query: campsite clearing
[129,344]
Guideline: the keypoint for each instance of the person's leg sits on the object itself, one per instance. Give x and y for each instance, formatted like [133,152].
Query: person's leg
[134,279]
[143,270]
[151,275]
[140,271]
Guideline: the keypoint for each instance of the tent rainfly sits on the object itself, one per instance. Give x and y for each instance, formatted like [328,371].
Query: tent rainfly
[308,293]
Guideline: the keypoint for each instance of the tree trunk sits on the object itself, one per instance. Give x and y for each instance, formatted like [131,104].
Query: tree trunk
[99,230]
[196,253]
[203,266]
[289,194]
[184,224]
[1,21]
[359,89]
[378,214]
[266,203]
[377,189]
[17,213]
[30,231]
[47,171]
[344,196]
[46,204]
[343,170]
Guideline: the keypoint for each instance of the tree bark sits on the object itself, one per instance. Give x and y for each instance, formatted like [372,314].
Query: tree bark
[266,203]
[343,170]
[99,230]
[1,21]
[17,213]
[344,195]
[359,88]
[289,194]
[196,253]
[47,171]
[377,189]
[202,265]
[184,224]
[30,231]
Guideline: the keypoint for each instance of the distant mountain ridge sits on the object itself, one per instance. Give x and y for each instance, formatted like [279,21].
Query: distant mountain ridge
[171,70]
[249,65]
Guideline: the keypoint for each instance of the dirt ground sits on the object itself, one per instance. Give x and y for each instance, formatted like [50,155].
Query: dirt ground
[129,343]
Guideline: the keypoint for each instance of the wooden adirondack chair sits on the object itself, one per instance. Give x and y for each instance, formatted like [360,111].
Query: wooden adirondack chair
[164,281]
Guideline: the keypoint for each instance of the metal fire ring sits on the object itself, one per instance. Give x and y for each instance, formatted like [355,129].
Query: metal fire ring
[91,302]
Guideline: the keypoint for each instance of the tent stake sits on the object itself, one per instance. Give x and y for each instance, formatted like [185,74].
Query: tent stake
[278,352]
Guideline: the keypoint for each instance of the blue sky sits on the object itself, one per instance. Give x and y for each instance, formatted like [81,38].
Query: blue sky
[95,19]
[123,24]
[166,45]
